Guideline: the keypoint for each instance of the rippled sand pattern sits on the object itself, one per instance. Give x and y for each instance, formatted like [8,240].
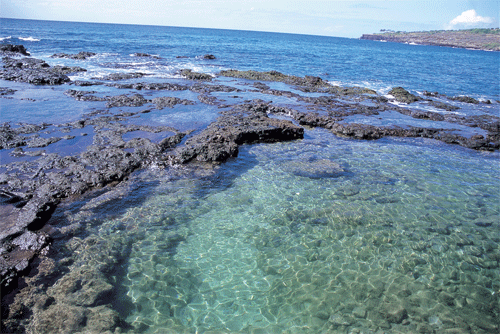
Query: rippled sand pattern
[404,239]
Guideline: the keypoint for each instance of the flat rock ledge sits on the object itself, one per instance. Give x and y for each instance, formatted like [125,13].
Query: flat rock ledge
[479,39]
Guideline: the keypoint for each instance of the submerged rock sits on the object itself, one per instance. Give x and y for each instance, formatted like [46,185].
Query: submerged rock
[314,169]
[395,313]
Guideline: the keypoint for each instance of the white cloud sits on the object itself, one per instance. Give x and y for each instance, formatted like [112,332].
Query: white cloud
[470,18]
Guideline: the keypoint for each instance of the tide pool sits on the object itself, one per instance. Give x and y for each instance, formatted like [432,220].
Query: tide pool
[398,238]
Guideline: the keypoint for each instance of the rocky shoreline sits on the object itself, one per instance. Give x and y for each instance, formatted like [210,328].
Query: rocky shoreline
[467,39]
[31,189]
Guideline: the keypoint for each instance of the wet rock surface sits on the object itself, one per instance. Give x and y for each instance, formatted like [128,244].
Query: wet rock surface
[13,50]
[244,124]
[402,95]
[33,71]
[79,56]
[121,76]
[35,183]
[189,74]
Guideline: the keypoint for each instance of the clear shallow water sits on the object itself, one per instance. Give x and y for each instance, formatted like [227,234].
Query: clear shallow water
[261,246]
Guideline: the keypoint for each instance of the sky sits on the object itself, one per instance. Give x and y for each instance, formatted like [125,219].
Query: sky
[346,18]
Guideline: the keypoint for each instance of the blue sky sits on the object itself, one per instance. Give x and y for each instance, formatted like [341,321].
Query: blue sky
[318,17]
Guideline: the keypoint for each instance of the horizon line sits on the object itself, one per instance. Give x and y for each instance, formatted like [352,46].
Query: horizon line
[174,26]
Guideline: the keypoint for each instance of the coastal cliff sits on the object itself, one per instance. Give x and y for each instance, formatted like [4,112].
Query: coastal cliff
[479,39]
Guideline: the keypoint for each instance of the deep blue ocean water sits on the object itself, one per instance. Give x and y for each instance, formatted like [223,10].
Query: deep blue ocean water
[406,239]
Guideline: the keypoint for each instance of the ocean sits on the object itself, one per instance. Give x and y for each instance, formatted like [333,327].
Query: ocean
[405,239]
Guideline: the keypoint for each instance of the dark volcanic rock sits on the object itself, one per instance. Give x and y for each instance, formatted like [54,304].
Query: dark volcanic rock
[122,76]
[445,106]
[209,57]
[141,54]
[150,86]
[189,74]
[42,142]
[79,56]
[83,95]
[244,124]
[370,132]
[13,50]
[280,93]
[261,86]
[426,115]
[86,83]
[204,88]
[465,99]
[24,63]
[308,81]
[34,77]
[135,100]
[307,84]
[166,101]
[402,95]
[67,69]
[208,99]
[31,70]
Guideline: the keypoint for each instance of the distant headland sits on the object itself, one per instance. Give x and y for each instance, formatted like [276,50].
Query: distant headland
[479,39]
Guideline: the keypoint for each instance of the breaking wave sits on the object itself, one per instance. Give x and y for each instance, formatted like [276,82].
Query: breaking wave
[29,39]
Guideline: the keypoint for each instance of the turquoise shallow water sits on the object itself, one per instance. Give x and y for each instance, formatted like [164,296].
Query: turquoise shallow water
[402,235]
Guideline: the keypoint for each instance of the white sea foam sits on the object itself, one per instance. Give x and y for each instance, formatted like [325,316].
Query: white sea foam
[379,87]
[335,83]
[5,38]
[29,39]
